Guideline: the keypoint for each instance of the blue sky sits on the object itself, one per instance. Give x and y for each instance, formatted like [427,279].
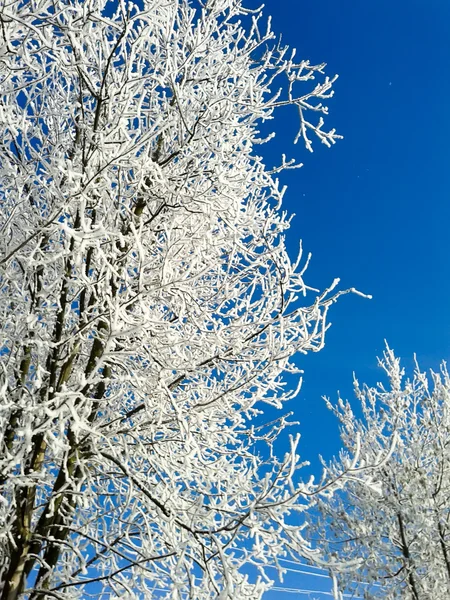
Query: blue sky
[374,210]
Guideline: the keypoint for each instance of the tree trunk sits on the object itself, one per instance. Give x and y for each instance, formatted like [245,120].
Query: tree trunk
[409,562]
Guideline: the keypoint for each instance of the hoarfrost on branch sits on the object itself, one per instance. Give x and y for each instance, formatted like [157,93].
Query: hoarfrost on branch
[147,301]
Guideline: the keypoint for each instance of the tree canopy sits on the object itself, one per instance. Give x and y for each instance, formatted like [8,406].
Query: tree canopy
[148,305]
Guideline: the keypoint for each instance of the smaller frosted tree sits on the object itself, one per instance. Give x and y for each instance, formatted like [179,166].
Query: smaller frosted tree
[395,526]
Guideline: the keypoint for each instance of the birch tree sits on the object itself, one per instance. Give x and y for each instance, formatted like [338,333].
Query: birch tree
[148,306]
[398,526]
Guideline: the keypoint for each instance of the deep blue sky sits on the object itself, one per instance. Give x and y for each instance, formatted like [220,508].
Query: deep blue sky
[374,210]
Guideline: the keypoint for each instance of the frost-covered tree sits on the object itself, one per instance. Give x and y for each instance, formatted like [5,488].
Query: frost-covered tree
[147,301]
[397,524]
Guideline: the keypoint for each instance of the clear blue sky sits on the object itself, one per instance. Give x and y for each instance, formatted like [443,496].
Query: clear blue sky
[375,209]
